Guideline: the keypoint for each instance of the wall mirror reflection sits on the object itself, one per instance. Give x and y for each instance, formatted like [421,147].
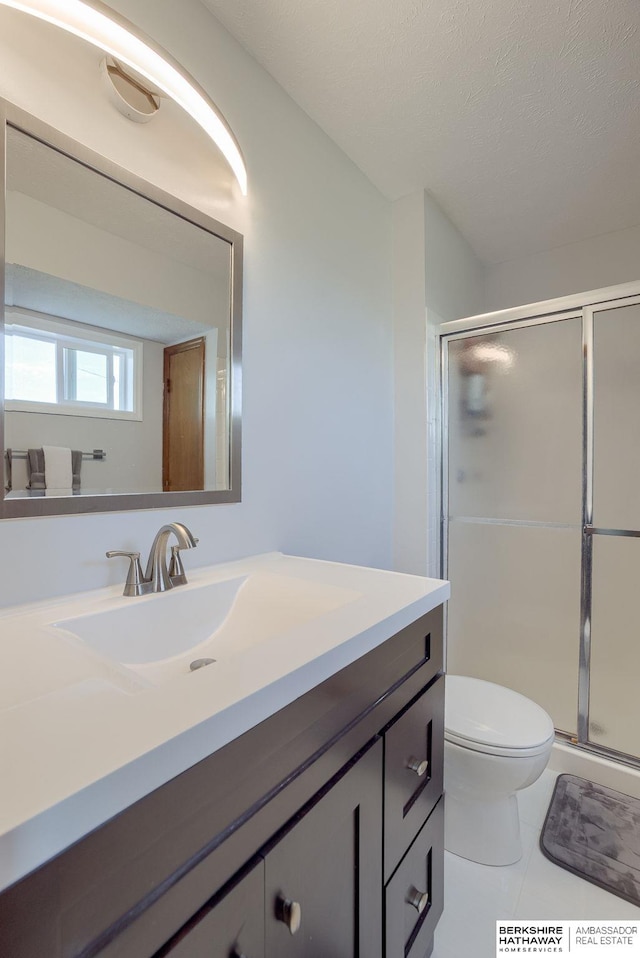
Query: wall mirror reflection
[122,340]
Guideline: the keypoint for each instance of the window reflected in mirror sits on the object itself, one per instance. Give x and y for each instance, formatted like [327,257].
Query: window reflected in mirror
[58,367]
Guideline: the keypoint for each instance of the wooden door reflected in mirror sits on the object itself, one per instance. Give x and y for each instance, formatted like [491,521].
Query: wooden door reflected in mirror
[184,416]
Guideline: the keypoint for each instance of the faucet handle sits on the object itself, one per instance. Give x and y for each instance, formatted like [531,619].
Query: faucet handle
[134,584]
[176,568]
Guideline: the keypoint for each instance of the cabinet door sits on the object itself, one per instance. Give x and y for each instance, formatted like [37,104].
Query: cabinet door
[413,756]
[231,926]
[323,877]
[414,898]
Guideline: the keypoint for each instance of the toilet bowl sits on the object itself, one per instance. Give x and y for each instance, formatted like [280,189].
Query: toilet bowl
[496,743]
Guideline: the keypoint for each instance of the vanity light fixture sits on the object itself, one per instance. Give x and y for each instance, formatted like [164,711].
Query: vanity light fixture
[130,96]
[104,28]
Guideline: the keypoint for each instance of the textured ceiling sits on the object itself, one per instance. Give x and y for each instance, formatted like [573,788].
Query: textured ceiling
[521,117]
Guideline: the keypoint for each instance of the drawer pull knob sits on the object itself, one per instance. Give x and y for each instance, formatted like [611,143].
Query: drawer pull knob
[290,913]
[417,766]
[419,899]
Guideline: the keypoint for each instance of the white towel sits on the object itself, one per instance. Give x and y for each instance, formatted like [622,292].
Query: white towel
[57,467]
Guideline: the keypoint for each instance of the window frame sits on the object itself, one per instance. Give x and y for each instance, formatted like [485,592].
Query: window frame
[71,335]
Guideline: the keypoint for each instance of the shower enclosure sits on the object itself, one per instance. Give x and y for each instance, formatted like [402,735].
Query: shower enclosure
[540,515]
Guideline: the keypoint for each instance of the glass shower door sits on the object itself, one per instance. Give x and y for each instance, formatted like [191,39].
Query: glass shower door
[513,459]
[614,703]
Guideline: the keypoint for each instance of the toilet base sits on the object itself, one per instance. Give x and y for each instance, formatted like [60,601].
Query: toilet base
[484,831]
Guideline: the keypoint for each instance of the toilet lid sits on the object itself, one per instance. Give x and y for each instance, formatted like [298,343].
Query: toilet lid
[479,713]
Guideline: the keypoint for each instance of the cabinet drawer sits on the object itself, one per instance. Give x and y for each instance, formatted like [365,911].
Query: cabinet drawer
[232,924]
[413,753]
[414,896]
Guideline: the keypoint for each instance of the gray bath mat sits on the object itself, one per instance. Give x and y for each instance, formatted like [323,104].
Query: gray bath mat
[594,832]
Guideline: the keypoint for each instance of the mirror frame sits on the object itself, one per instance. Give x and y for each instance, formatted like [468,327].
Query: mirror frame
[12,116]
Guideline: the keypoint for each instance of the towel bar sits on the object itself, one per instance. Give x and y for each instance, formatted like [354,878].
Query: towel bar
[98,454]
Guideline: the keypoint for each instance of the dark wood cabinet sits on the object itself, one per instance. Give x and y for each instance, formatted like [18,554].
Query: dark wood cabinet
[414,824]
[325,821]
[414,898]
[329,866]
[314,889]
[231,926]
[413,754]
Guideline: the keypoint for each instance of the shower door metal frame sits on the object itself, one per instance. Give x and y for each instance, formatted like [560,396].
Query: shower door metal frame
[589,531]
[583,307]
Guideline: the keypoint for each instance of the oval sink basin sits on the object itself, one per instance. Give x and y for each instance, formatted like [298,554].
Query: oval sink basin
[160,636]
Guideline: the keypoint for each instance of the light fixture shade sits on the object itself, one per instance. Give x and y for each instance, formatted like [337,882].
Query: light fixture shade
[101,26]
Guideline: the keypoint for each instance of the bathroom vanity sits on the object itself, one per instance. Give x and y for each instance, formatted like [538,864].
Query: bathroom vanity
[285,800]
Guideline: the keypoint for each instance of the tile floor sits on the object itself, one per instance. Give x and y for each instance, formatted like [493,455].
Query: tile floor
[478,895]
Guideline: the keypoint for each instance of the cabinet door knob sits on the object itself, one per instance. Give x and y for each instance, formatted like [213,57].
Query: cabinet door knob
[290,913]
[418,766]
[419,899]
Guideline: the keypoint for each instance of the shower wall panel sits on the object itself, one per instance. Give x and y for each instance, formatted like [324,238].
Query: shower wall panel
[515,424]
[616,418]
[614,710]
[514,613]
[614,704]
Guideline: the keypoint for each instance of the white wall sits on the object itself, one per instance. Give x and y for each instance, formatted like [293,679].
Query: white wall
[436,277]
[86,254]
[454,277]
[317,373]
[593,263]
[410,356]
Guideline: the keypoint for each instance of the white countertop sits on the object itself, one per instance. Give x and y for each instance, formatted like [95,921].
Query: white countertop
[81,739]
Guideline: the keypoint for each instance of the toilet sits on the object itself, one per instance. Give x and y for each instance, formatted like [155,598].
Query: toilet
[496,743]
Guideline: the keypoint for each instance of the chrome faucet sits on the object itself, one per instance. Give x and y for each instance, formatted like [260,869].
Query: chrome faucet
[158,577]
[157,574]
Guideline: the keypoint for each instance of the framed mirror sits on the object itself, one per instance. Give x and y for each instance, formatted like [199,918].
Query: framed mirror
[120,380]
